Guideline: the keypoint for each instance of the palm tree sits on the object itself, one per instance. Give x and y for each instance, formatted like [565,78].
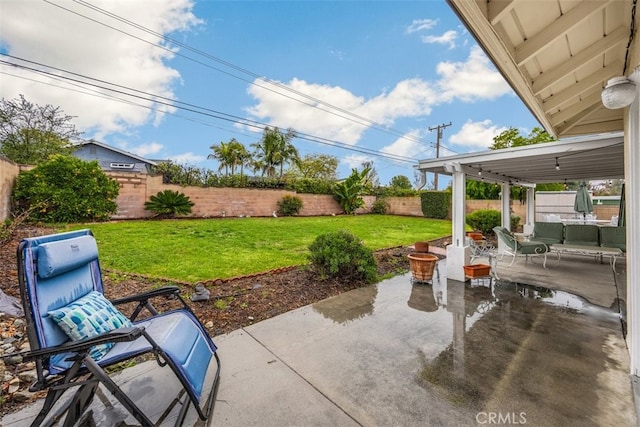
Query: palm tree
[274,150]
[230,155]
[238,155]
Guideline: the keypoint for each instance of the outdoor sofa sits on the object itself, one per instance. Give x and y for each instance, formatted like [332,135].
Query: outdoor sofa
[582,239]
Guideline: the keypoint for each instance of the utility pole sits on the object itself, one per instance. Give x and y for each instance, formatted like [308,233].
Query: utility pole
[439,128]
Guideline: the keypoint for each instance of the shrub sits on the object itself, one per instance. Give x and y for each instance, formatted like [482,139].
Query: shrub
[341,254]
[348,192]
[435,204]
[289,205]
[380,206]
[484,220]
[66,189]
[168,204]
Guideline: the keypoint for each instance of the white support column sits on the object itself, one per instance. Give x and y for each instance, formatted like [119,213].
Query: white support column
[458,253]
[632,218]
[506,205]
[531,211]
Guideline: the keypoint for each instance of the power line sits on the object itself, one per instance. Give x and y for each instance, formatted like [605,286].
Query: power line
[158,99]
[315,102]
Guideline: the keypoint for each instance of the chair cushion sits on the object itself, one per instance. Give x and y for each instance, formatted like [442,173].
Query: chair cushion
[548,232]
[65,255]
[581,234]
[613,237]
[90,316]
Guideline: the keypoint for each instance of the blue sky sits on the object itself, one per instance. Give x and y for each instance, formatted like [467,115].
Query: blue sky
[367,78]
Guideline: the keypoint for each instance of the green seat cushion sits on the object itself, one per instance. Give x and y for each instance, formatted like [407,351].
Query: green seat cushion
[581,234]
[532,247]
[613,237]
[548,232]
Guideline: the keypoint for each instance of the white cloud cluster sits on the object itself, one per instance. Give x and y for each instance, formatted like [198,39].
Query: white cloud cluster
[50,35]
[409,146]
[448,38]
[421,25]
[471,80]
[476,135]
[348,115]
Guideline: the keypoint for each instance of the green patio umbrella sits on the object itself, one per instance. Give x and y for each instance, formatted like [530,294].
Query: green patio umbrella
[621,211]
[583,203]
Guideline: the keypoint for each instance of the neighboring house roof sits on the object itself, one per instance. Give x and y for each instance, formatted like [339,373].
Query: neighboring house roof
[116,150]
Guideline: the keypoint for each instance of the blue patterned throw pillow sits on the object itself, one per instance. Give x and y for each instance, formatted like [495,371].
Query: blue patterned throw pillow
[89,316]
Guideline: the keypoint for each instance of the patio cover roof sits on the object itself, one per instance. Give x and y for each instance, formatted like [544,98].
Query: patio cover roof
[592,157]
[558,55]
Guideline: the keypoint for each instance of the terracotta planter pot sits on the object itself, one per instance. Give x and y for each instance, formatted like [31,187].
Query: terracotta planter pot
[475,235]
[421,246]
[477,270]
[422,266]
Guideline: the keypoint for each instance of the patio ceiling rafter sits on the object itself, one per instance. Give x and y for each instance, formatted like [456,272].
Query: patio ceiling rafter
[557,58]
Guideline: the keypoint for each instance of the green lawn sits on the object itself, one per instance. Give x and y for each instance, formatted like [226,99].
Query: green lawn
[202,249]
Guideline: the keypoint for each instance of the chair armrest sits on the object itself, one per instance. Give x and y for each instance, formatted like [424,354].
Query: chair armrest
[169,292]
[166,291]
[116,335]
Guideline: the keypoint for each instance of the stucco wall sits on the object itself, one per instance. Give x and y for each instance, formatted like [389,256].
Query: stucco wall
[8,173]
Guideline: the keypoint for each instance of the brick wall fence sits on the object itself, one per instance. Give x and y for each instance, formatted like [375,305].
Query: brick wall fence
[8,173]
[136,188]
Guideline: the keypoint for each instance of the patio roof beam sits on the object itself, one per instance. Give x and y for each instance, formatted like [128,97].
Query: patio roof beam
[497,9]
[562,25]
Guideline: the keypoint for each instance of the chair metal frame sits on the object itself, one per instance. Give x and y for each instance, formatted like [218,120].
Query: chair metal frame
[513,247]
[84,373]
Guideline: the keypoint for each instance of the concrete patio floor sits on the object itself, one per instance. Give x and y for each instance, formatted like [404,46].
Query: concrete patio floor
[449,353]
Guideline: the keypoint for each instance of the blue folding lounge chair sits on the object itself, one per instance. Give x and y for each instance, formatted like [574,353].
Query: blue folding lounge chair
[75,333]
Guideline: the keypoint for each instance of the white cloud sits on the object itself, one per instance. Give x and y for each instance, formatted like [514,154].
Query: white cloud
[408,146]
[476,135]
[187,158]
[145,150]
[346,122]
[102,53]
[421,25]
[448,38]
[355,161]
[471,80]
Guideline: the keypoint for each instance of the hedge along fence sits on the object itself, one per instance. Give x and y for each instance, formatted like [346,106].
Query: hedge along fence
[136,188]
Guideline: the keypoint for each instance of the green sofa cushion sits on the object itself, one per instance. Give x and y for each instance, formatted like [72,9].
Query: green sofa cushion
[581,234]
[548,232]
[613,237]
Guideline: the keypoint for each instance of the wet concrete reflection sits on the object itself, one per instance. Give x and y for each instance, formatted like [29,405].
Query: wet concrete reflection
[513,341]
[343,311]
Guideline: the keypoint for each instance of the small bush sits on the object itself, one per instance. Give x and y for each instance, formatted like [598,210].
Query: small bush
[168,204]
[484,220]
[66,189]
[380,206]
[435,204]
[289,205]
[341,254]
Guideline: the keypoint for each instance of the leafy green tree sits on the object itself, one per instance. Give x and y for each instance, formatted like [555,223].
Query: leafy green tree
[175,173]
[66,189]
[169,203]
[348,193]
[315,166]
[30,134]
[400,182]
[510,138]
[274,151]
